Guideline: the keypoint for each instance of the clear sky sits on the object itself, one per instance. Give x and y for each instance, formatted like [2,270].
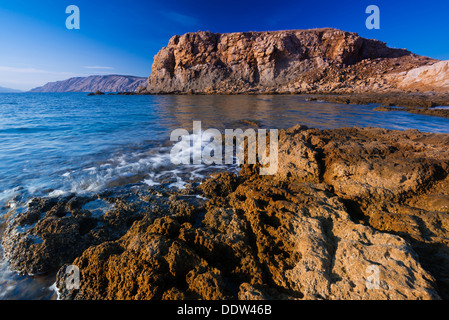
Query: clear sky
[122,37]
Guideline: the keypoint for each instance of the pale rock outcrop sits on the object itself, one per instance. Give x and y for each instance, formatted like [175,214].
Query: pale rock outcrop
[433,77]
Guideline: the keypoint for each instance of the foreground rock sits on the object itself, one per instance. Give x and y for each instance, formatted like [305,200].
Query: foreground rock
[295,61]
[56,230]
[344,206]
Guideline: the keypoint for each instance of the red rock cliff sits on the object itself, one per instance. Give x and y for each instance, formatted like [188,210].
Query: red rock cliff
[296,61]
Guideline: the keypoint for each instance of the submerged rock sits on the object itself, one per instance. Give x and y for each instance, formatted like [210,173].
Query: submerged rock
[350,214]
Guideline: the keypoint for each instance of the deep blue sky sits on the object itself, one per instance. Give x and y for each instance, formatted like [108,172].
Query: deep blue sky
[122,37]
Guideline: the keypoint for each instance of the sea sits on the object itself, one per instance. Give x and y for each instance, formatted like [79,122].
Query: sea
[55,144]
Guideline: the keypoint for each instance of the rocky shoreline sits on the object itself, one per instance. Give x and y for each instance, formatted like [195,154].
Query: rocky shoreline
[343,203]
[413,102]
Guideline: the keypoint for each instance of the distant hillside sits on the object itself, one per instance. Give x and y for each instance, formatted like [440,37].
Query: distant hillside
[107,83]
[8,90]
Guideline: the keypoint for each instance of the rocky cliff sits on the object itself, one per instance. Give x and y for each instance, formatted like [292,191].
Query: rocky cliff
[106,83]
[297,61]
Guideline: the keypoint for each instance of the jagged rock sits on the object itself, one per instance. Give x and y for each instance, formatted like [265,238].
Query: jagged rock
[346,205]
[223,184]
[55,231]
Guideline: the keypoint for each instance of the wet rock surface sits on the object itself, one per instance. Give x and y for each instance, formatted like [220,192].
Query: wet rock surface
[56,230]
[345,206]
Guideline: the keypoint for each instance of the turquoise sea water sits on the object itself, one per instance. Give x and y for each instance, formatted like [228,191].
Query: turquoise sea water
[54,144]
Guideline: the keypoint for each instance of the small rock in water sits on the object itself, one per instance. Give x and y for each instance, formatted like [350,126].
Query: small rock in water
[96,93]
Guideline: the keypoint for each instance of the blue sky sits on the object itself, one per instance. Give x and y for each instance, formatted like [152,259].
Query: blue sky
[122,37]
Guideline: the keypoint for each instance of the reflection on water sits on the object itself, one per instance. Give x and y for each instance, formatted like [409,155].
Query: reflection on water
[52,144]
[282,111]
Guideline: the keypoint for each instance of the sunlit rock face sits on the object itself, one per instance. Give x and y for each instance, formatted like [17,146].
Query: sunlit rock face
[296,61]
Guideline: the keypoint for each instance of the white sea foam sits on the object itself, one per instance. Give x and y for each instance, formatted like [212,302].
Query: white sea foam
[12,204]
[150,180]
[9,194]
[150,166]
[151,183]
[6,276]
[57,193]
[54,288]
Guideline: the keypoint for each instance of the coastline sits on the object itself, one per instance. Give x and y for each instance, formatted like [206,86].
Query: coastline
[283,154]
[414,102]
[343,200]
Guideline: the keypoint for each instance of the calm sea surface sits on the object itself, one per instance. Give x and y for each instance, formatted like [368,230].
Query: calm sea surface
[56,144]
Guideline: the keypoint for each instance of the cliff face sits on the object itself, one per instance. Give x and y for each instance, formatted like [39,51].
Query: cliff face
[427,78]
[106,83]
[318,60]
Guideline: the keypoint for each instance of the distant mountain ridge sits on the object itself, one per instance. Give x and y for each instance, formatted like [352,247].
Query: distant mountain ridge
[105,83]
[8,90]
